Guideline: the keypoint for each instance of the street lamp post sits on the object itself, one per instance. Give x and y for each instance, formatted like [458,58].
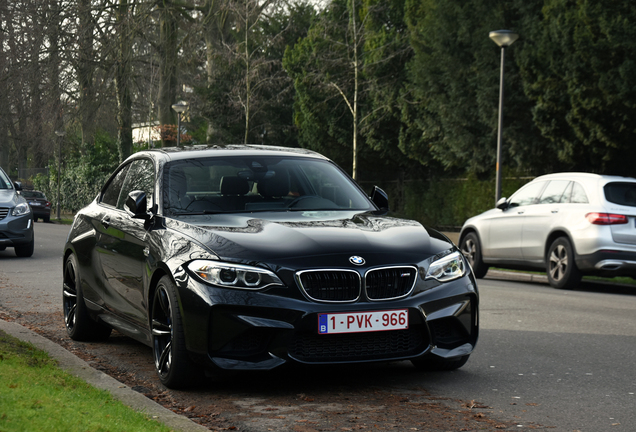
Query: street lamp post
[60,134]
[503,38]
[180,108]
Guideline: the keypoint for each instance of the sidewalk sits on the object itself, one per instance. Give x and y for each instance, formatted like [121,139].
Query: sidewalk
[79,368]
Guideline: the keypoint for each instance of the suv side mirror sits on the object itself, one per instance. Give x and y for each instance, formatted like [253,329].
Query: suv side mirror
[380,199]
[18,185]
[502,204]
[136,205]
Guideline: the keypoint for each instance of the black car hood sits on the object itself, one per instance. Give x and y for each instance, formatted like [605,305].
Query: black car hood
[328,237]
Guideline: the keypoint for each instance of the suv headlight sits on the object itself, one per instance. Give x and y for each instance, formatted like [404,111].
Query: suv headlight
[21,209]
[447,268]
[233,275]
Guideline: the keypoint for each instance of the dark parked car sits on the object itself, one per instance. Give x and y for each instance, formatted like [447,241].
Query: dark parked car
[250,257]
[40,206]
[16,220]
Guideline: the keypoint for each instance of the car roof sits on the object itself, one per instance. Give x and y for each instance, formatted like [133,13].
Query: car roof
[215,150]
[583,176]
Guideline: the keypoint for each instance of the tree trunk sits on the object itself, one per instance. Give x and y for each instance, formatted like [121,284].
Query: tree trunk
[85,72]
[168,67]
[215,32]
[122,82]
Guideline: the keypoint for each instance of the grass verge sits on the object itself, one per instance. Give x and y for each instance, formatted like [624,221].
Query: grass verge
[36,395]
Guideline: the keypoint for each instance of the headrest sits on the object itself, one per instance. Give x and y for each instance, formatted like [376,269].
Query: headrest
[277,186]
[234,186]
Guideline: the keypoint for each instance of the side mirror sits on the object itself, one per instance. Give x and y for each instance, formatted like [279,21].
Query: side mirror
[380,199]
[18,185]
[136,205]
[502,204]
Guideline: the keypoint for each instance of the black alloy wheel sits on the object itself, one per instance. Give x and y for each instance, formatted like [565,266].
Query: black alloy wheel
[172,362]
[471,248]
[560,266]
[79,325]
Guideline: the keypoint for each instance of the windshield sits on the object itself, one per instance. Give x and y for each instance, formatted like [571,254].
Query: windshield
[5,182]
[253,183]
[32,194]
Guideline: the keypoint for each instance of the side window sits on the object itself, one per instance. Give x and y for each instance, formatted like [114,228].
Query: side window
[554,192]
[578,194]
[111,193]
[527,195]
[141,176]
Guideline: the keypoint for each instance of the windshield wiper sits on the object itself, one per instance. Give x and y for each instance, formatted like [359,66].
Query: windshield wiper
[199,213]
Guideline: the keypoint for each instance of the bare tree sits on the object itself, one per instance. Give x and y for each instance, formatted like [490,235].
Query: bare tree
[123,60]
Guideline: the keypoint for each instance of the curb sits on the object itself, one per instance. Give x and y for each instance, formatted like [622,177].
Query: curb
[79,368]
[516,276]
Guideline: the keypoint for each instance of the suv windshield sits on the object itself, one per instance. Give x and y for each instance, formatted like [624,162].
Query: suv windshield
[257,183]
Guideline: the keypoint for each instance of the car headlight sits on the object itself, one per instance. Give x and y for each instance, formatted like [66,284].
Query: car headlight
[447,268]
[21,209]
[233,275]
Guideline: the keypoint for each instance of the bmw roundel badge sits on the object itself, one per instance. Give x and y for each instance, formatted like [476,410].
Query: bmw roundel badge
[356,260]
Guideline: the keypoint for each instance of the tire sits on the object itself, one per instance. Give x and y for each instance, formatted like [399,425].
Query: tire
[560,266]
[434,363]
[79,325]
[471,248]
[35,219]
[46,219]
[26,250]
[172,362]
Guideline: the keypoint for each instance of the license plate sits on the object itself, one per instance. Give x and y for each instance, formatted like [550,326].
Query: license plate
[35,203]
[357,322]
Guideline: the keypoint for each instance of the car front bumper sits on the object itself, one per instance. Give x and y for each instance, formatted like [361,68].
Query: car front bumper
[238,330]
[16,230]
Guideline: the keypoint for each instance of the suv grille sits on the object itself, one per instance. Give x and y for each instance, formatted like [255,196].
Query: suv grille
[381,345]
[3,212]
[388,283]
[331,285]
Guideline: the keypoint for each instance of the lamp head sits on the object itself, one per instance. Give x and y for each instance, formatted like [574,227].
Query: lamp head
[503,38]
[180,107]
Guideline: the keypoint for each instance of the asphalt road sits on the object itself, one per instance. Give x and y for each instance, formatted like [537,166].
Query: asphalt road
[562,360]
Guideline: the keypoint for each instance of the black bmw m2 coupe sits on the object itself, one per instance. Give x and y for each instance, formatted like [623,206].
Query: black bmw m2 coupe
[237,257]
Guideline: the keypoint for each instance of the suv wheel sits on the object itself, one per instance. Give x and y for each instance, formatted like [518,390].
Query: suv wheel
[25,250]
[471,248]
[560,266]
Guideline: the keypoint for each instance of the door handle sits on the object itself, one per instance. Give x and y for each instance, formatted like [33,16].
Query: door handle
[106,222]
[555,211]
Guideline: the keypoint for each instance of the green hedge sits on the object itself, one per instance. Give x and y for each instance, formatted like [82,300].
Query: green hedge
[445,203]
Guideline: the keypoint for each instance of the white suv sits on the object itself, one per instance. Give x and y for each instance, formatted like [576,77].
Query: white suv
[16,218]
[567,224]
